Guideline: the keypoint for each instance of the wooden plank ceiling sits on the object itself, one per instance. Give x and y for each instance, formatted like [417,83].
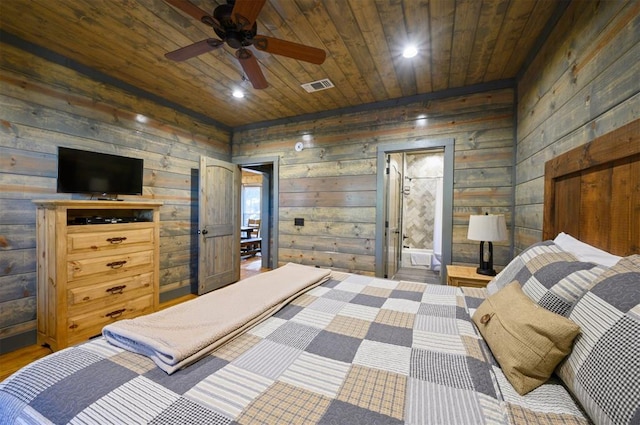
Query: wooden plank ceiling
[460,43]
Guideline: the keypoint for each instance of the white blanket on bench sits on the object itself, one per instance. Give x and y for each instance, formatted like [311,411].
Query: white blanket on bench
[182,334]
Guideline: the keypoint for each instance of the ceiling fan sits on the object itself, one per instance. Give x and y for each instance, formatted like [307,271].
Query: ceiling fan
[235,24]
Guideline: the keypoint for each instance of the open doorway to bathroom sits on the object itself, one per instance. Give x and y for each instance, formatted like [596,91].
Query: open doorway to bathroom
[419,208]
[414,218]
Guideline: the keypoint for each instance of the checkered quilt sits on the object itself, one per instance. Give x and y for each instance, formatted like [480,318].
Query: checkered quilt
[355,350]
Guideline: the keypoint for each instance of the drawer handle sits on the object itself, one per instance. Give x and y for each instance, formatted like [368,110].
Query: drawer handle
[118,239]
[117,264]
[117,313]
[116,289]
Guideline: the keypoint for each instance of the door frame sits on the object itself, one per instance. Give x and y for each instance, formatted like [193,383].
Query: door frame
[447,199]
[272,219]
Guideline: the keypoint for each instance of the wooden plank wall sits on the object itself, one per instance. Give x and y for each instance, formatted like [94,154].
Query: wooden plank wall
[332,182]
[582,84]
[43,105]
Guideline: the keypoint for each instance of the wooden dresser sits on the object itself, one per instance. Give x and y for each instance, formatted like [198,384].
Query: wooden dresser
[98,262]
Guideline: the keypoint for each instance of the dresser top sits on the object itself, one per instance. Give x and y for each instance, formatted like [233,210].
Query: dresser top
[71,203]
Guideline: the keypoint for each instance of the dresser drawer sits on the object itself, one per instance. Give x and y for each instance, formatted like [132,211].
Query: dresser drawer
[109,240]
[109,266]
[110,291]
[473,283]
[83,326]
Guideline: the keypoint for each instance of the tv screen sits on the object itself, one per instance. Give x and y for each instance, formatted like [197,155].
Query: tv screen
[98,173]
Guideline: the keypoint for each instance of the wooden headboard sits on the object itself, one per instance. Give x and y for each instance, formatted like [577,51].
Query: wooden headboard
[593,192]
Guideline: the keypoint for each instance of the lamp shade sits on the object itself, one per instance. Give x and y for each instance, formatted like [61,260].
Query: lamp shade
[487,228]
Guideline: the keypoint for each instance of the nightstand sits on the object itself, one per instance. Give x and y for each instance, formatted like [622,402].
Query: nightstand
[466,276]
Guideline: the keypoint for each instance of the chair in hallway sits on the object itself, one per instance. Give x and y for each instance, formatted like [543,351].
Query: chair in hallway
[252,245]
[254,223]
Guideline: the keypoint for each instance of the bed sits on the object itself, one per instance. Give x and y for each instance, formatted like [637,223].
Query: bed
[363,350]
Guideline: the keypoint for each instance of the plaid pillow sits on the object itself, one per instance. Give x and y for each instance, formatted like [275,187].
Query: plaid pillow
[603,370]
[550,276]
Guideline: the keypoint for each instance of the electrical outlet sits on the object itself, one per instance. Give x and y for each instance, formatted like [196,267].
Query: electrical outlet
[298,221]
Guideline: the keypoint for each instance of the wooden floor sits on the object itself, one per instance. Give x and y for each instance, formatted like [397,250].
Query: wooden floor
[417,275]
[13,361]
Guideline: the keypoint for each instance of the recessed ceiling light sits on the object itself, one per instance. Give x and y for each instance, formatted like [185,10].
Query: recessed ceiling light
[141,119]
[238,93]
[409,51]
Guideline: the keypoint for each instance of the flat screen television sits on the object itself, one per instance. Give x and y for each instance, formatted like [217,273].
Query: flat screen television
[99,174]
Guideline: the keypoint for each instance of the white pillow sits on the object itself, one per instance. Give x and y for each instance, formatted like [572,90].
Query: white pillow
[585,252]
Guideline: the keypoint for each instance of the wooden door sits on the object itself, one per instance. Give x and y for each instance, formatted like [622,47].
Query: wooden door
[393,214]
[219,224]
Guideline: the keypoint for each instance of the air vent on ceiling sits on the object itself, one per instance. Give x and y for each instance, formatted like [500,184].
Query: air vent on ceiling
[318,85]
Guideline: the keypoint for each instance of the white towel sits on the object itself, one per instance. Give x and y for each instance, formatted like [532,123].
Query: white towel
[420,259]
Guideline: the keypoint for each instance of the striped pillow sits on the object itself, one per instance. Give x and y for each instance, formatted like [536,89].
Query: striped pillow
[551,277]
[603,370]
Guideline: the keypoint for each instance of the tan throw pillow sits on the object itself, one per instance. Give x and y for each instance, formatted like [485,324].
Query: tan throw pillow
[527,340]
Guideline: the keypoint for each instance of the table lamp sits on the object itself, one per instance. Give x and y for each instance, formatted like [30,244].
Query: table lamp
[487,228]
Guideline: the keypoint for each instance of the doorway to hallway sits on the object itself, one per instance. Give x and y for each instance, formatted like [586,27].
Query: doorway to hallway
[267,168]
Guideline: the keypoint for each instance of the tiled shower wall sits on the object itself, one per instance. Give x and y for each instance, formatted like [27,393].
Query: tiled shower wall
[422,171]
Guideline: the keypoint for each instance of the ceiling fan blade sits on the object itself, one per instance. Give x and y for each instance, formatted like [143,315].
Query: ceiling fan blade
[188,8]
[194,49]
[195,12]
[290,49]
[251,67]
[245,12]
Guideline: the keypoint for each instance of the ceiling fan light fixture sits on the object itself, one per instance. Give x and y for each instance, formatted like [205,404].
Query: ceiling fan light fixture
[238,93]
[235,25]
[410,51]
